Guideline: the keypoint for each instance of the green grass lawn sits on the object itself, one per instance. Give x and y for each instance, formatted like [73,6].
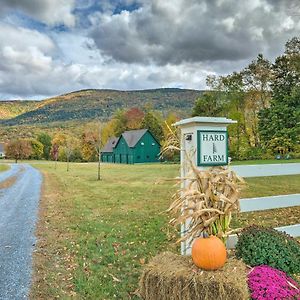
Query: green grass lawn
[265,161]
[3,167]
[95,236]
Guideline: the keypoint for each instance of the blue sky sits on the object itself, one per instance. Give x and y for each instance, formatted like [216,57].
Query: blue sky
[50,47]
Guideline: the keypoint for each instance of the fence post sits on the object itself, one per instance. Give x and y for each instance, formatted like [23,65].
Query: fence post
[204,140]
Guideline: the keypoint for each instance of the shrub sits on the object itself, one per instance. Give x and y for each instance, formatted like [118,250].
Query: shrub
[265,246]
[268,283]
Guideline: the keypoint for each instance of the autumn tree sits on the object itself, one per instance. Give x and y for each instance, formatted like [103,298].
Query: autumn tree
[93,142]
[241,96]
[58,142]
[69,148]
[120,122]
[134,118]
[91,134]
[88,150]
[18,149]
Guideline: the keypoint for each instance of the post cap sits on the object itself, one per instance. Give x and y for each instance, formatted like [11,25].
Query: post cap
[205,121]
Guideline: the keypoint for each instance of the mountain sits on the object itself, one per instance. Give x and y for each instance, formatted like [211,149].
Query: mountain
[88,105]
[12,108]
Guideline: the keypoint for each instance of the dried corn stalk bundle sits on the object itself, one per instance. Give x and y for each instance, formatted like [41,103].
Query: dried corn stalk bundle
[206,202]
[172,142]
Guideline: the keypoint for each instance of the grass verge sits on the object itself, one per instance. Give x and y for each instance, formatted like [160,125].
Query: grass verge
[94,237]
[3,167]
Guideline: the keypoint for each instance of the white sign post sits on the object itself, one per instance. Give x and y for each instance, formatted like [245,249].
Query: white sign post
[205,141]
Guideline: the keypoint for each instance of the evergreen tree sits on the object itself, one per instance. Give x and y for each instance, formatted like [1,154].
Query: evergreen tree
[282,118]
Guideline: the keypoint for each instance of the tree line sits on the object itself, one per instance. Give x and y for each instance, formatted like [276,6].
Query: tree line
[86,147]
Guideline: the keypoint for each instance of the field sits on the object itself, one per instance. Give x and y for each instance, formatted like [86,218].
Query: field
[265,161]
[95,236]
[3,168]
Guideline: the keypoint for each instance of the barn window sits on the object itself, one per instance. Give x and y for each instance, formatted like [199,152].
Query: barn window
[142,144]
[153,144]
[147,156]
[138,157]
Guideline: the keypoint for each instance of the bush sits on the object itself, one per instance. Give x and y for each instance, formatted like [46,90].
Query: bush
[270,284]
[265,246]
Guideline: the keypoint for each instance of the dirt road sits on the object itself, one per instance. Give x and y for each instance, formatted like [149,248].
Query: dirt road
[18,216]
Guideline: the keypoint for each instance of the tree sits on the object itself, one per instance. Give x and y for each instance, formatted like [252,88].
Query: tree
[151,122]
[93,141]
[208,105]
[257,79]
[18,149]
[58,141]
[236,109]
[37,149]
[45,139]
[69,147]
[134,118]
[87,146]
[120,122]
[281,120]
[286,70]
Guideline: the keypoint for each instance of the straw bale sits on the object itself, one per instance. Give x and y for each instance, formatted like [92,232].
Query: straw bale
[169,276]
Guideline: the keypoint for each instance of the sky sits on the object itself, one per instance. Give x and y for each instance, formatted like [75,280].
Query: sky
[51,47]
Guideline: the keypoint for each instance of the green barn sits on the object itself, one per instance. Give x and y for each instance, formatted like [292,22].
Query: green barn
[134,146]
[107,151]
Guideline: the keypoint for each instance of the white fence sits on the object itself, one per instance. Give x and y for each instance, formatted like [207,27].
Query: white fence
[265,203]
[270,202]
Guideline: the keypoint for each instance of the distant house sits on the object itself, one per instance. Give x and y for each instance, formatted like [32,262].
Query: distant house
[134,146]
[2,150]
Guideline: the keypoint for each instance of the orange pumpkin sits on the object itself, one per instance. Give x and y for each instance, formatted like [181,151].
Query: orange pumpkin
[209,253]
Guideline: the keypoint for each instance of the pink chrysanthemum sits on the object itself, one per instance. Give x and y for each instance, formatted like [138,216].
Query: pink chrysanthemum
[267,283]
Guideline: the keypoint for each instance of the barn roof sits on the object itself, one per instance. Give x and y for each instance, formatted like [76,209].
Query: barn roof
[133,136]
[109,146]
[1,147]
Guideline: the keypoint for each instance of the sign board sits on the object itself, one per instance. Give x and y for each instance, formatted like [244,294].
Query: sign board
[212,148]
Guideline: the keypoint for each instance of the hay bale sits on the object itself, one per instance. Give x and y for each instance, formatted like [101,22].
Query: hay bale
[172,276]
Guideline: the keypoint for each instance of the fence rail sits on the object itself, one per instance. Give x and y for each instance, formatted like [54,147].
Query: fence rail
[270,202]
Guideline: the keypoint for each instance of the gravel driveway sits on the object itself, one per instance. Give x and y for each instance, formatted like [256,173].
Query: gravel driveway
[18,215]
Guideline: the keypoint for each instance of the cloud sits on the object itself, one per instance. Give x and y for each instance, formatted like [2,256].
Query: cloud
[174,32]
[33,65]
[50,12]
[134,44]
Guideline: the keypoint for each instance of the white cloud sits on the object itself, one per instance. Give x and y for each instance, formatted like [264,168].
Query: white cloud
[51,12]
[34,65]
[160,44]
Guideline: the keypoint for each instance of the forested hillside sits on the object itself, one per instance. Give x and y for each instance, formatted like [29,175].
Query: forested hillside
[11,109]
[101,104]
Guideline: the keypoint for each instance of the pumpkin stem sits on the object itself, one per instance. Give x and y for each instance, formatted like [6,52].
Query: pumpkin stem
[205,234]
